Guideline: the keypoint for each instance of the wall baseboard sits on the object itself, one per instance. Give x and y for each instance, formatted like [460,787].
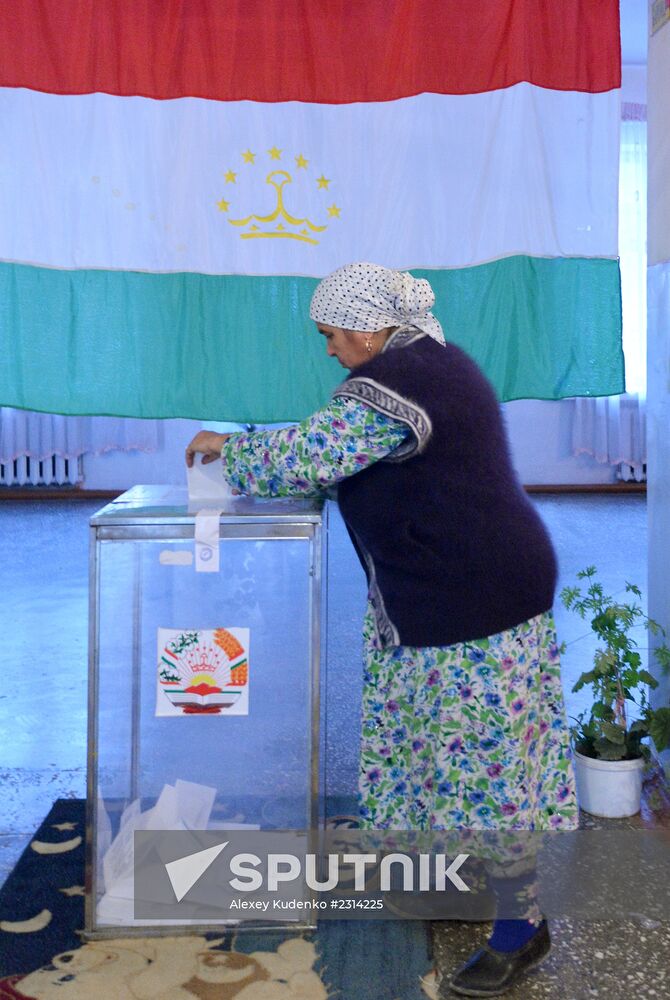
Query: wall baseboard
[63,493]
[618,487]
[56,493]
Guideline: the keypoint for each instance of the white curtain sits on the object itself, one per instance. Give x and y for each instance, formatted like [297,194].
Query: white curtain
[40,435]
[612,428]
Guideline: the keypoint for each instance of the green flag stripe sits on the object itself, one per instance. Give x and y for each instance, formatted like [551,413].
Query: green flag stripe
[242,348]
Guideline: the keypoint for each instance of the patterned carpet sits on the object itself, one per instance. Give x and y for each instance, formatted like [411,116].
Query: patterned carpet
[43,957]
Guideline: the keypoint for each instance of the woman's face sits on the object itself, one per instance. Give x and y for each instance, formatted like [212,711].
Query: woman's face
[350,347]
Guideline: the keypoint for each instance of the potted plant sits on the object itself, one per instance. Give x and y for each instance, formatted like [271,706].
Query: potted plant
[609,753]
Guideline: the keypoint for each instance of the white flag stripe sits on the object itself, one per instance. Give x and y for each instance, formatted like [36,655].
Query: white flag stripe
[435,181]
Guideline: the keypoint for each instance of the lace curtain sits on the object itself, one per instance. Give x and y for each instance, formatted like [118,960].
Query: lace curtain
[40,435]
[612,428]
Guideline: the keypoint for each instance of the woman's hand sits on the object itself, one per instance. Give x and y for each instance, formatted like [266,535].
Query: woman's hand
[207,443]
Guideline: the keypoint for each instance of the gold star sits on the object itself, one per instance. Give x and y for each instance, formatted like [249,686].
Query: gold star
[322,181]
[274,153]
[64,826]
[223,205]
[301,161]
[248,157]
[335,211]
[229,177]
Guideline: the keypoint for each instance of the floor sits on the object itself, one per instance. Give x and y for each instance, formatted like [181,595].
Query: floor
[44,582]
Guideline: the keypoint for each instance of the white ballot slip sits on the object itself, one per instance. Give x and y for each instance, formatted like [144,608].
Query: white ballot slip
[206,482]
[182,806]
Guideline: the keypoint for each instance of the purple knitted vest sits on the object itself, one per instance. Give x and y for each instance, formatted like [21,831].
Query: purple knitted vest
[452,548]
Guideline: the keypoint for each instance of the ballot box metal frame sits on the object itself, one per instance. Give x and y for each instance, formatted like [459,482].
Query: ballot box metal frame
[163,513]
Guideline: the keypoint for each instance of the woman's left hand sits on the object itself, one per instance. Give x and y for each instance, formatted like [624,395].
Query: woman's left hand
[207,443]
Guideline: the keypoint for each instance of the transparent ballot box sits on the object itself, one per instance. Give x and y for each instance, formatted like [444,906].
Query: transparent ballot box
[203,682]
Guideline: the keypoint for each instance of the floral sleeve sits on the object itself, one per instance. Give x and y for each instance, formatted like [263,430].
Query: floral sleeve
[305,459]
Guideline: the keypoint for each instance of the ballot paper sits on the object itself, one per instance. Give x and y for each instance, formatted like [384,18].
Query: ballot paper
[206,482]
[208,494]
[182,806]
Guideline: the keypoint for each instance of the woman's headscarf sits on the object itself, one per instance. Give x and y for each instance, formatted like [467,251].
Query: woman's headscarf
[369,297]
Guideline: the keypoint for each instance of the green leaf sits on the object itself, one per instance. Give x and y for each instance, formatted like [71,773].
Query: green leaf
[605,662]
[614,733]
[609,751]
[659,728]
[662,654]
[589,571]
[647,678]
[586,678]
[569,595]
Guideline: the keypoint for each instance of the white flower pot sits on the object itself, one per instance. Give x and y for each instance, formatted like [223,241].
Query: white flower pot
[610,788]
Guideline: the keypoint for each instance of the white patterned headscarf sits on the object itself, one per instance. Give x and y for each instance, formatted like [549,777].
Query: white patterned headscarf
[369,297]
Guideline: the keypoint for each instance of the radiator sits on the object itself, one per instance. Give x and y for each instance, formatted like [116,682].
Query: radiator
[50,471]
[631,473]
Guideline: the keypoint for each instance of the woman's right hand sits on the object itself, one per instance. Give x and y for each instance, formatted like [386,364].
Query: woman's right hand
[208,444]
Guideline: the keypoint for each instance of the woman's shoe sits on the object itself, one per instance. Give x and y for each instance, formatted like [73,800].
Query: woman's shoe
[488,972]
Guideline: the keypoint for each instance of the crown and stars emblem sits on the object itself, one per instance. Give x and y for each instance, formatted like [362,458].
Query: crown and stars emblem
[281,223]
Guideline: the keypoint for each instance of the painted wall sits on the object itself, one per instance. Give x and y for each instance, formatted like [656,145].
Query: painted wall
[540,437]
[121,470]
[658,343]
[634,83]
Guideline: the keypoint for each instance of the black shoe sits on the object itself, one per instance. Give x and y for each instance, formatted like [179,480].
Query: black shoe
[488,972]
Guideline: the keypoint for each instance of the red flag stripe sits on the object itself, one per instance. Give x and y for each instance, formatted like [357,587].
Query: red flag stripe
[334,52]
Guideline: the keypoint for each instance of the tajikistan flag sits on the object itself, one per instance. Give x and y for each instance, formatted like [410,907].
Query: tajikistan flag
[177,175]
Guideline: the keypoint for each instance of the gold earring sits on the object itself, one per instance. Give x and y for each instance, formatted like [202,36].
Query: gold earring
[368,344]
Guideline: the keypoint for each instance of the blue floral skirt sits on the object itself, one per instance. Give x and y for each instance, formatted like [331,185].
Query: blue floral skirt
[471,736]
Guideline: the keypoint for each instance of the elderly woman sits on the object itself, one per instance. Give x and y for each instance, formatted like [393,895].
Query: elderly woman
[463,723]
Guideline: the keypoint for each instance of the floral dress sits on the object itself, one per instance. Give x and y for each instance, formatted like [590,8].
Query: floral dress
[468,736]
